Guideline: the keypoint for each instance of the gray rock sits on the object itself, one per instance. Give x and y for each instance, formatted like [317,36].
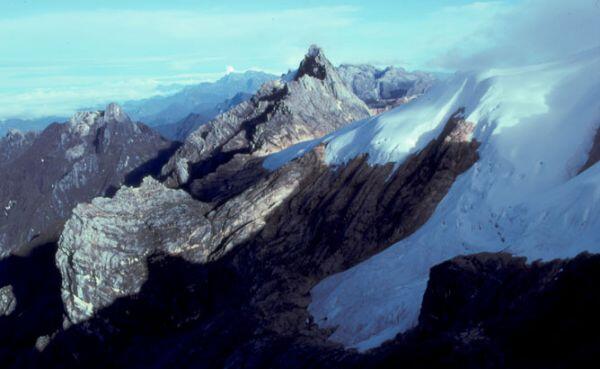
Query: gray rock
[103,248]
[14,143]
[383,89]
[104,244]
[8,301]
[282,113]
[43,176]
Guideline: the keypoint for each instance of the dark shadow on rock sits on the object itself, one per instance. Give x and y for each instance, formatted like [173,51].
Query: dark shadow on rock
[150,168]
[481,311]
[184,313]
[36,286]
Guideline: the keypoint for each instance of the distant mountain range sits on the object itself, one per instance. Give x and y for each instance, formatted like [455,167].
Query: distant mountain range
[196,99]
[204,99]
[175,116]
[25,125]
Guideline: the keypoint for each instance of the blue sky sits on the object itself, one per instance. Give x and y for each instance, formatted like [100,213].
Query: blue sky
[59,55]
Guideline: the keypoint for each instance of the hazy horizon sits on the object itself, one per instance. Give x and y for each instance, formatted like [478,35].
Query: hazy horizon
[60,56]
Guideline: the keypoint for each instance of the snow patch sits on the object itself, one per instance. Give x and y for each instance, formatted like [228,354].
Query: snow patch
[535,126]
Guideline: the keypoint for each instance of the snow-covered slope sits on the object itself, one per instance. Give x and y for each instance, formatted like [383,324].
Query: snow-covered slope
[536,126]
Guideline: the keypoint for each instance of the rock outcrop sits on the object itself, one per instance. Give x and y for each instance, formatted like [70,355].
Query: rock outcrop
[500,310]
[387,88]
[101,260]
[104,246]
[314,103]
[45,175]
[13,144]
[8,301]
[279,236]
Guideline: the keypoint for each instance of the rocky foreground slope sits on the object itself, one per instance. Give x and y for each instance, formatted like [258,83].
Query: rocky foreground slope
[45,175]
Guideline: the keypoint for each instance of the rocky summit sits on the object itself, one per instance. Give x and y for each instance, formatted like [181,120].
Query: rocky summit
[315,102]
[220,163]
[48,173]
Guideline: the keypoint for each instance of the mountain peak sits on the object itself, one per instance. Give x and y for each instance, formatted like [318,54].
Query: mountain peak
[314,50]
[13,133]
[114,112]
[84,120]
[314,64]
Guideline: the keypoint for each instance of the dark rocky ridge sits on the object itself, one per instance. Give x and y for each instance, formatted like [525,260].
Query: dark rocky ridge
[45,175]
[479,311]
[315,221]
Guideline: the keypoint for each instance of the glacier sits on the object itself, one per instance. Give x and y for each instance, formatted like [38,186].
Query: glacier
[525,195]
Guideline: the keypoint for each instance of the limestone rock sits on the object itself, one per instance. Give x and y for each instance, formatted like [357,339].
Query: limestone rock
[280,114]
[43,176]
[103,248]
[8,301]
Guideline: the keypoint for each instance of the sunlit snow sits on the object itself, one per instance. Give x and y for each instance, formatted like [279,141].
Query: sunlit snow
[536,126]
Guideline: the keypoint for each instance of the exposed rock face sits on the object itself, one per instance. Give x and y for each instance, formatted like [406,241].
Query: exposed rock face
[103,248]
[498,307]
[47,174]
[14,144]
[278,237]
[100,259]
[281,114]
[8,301]
[387,88]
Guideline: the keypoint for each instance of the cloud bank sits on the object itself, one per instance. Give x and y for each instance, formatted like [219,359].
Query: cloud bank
[55,62]
[530,32]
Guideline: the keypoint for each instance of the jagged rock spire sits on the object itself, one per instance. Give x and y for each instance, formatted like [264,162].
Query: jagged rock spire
[82,121]
[114,112]
[314,64]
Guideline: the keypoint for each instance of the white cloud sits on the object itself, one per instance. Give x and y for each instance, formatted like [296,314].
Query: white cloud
[91,52]
[529,32]
[87,57]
